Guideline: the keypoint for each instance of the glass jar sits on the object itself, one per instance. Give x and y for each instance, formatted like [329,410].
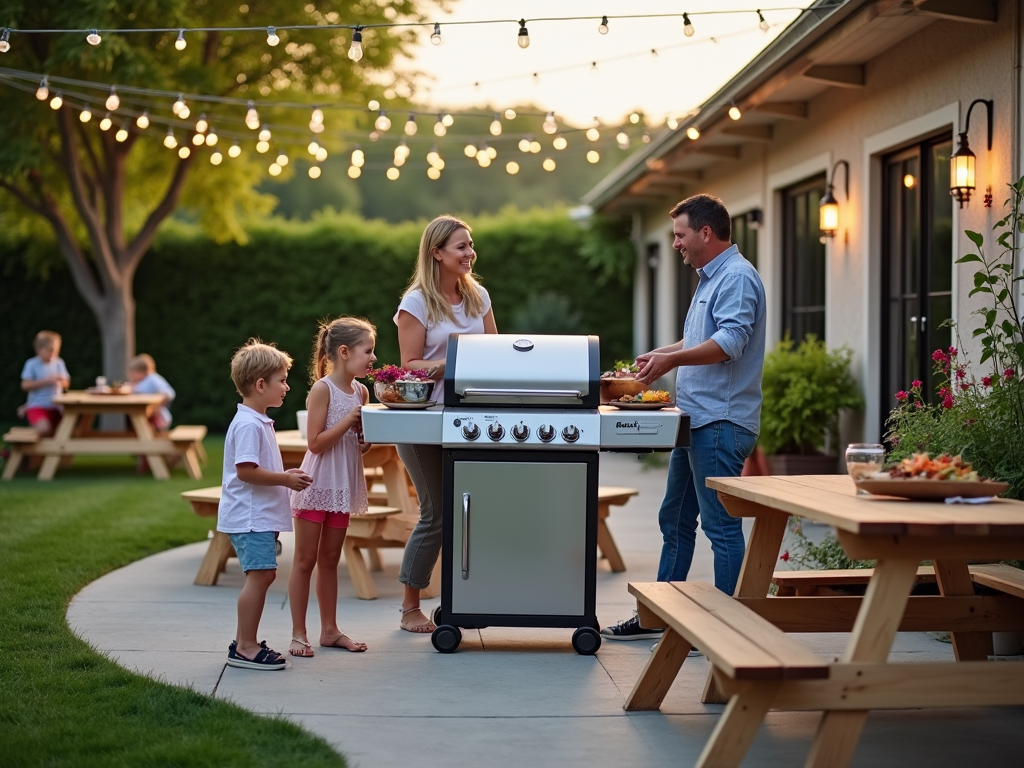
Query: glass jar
[863,460]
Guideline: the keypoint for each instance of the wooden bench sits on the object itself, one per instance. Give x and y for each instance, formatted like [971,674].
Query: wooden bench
[750,658]
[188,444]
[609,496]
[1004,578]
[22,441]
[824,583]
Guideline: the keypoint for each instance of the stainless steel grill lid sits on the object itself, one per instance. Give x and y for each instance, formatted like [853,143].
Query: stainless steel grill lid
[532,369]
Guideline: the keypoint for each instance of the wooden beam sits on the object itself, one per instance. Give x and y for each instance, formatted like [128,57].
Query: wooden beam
[787,110]
[841,75]
[975,11]
[756,133]
[726,152]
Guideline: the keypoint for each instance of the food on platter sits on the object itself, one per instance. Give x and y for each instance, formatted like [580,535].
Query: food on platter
[921,466]
[620,381]
[647,396]
[624,369]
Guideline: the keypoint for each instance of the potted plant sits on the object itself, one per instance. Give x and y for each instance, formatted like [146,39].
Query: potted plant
[804,387]
[394,384]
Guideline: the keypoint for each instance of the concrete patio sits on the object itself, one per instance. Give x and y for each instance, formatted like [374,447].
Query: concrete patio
[509,696]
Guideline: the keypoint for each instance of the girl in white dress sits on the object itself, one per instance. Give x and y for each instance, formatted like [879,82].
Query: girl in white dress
[334,459]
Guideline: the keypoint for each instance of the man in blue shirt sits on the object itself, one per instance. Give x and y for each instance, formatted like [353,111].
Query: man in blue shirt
[718,383]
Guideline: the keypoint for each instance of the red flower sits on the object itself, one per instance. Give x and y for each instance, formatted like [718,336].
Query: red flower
[952,351]
[916,383]
[965,386]
[938,355]
[902,396]
[947,402]
[960,373]
[784,557]
[1008,374]
[986,380]
[919,404]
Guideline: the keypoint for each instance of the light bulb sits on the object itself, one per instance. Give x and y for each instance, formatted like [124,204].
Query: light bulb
[646,138]
[262,147]
[216,158]
[42,92]
[550,126]
[184,152]
[373,105]
[593,134]
[198,139]
[512,167]
[93,38]
[439,129]
[393,173]
[432,156]
[113,100]
[524,34]
[264,134]
[548,164]
[491,152]
[184,112]
[321,155]
[85,115]
[439,164]
[622,139]
[358,158]
[410,126]
[314,171]
[496,125]
[5,36]
[687,26]
[761,23]
[447,119]
[603,27]
[524,145]
[180,43]
[312,148]
[535,147]
[560,142]
[57,101]
[470,150]
[234,150]
[317,116]
[433,173]
[535,79]
[402,149]
[122,134]
[143,121]
[672,123]
[510,114]
[354,172]
[272,39]
[734,112]
[282,160]
[178,104]
[398,160]
[693,133]
[593,156]
[252,118]
[483,159]
[169,141]
[355,51]
[274,169]
[211,138]
[634,118]
[106,122]
[383,122]
[316,127]
[202,125]
[435,37]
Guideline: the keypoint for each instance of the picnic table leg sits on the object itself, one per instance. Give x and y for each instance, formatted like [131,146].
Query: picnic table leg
[157,465]
[605,542]
[877,623]
[213,563]
[954,578]
[13,462]
[738,725]
[65,430]
[661,670]
[361,579]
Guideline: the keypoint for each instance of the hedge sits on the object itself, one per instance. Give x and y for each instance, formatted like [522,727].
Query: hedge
[198,301]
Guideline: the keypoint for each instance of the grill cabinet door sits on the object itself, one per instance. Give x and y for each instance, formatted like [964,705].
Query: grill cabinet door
[526,538]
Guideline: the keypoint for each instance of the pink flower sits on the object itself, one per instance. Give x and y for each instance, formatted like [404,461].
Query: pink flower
[784,557]
[938,355]
[1008,374]
[960,373]
[919,404]
[902,396]
[947,402]
[965,386]
[986,380]
[916,383]
[944,392]
[952,351]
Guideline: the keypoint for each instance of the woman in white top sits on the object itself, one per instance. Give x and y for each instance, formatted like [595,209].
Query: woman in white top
[443,298]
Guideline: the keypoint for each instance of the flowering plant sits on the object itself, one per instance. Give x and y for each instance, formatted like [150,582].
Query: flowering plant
[389,374]
[979,418]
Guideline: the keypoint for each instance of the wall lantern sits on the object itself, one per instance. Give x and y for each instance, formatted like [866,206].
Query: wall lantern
[754,218]
[961,162]
[828,209]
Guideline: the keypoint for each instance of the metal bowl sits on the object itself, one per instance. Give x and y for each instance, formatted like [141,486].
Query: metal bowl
[403,391]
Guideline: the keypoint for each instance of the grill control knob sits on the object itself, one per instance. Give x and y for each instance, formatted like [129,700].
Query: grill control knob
[471,431]
[520,432]
[546,433]
[495,431]
[570,434]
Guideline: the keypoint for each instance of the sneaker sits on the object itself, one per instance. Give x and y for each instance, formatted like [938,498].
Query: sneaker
[693,651]
[630,629]
[266,659]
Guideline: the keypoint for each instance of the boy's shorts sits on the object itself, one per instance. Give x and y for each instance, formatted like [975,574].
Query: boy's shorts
[328,519]
[256,550]
[38,413]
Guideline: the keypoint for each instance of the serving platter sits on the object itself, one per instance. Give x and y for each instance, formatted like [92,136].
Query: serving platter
[409,406]
[639,406]
[932,490]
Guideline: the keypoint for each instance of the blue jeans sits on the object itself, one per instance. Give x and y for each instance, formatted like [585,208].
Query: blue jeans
[717,449]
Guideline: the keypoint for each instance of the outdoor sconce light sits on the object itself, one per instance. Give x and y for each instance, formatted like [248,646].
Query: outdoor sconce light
[828,209]
[754,218]
[961,162]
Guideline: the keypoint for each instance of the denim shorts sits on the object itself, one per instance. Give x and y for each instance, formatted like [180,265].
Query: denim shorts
[256,550]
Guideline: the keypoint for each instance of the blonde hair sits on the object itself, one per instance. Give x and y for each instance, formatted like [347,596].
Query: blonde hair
[256,361]
[45,339]
[142,363]
[427,278]
[331,336]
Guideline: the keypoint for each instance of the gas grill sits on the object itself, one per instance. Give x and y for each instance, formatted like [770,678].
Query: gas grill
[521,425]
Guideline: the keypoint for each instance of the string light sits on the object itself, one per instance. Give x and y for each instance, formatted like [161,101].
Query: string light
[693,133]
[603,27]
[252,118]
[592,133]
[593,156]
[216,158]
[512,167]
[143,120]
[535,147]
[198,139]
[262,147]
[410,125]
[106,122]
[761,23]
[524,34]
[439,128]
[312,148]
[358,158]
[734,112]
[179,103]
[57,101]
[470,150]
[646,137]
[316,117]
[211,138]
[93,38]
[496,125]
[314,171]
[433,173]
[5,46]
[169,141]
[550,126]
[432,156]
[355,51]
[548,164]
[113,101]
[687,25]
[201,124]
[42,92]
[483,159]
[510,114]
[184,152]
[282,159]
[634,118]
[373,105]
[560,142]
[393,173]
[274,169]
[383,122]
[447,119]
[622,139]
[435,38]
[264,134]
[234,150]
[180,43]
[272,40]
[321,155]
[524,145]
[672,123]
[354,172]
[122,133]
[85,115]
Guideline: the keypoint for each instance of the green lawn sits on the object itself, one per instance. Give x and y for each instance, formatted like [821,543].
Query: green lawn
[62,704]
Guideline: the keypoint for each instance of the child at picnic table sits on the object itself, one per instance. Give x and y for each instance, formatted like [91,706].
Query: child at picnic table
[44,377]
[343,351]
[253,506]
[145,380]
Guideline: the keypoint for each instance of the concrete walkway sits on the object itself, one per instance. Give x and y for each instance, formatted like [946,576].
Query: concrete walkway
[509,696]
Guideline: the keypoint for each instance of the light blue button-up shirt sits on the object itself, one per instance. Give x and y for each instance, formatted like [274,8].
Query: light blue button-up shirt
[729,307]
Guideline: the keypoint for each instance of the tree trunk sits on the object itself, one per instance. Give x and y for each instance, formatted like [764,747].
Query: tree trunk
[116,321]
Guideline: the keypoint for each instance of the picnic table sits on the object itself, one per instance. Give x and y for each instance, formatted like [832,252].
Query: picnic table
[756,666]
[74,435]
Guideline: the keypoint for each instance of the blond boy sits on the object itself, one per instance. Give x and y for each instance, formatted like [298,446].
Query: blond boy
[254,506]
[44,377]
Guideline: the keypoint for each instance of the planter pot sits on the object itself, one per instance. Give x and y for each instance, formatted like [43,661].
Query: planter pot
[800,464]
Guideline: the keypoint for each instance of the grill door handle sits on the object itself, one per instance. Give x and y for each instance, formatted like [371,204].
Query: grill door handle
[482,392]
[465,536]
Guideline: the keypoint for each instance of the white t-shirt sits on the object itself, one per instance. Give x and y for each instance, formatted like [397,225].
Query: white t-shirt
[245,507]
[435,346]
[34,370]
[155,384]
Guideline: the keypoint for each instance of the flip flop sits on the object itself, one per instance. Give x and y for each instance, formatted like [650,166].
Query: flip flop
[305,652]
[339,642]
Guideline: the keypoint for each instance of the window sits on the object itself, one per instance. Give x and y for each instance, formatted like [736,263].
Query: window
[744,234]
[803,261]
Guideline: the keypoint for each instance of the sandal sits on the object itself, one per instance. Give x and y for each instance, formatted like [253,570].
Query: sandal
[266,659]
[420,628]
[304,652]
[345,642]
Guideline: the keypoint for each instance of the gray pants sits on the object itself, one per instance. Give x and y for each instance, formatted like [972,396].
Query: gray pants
[424,465]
